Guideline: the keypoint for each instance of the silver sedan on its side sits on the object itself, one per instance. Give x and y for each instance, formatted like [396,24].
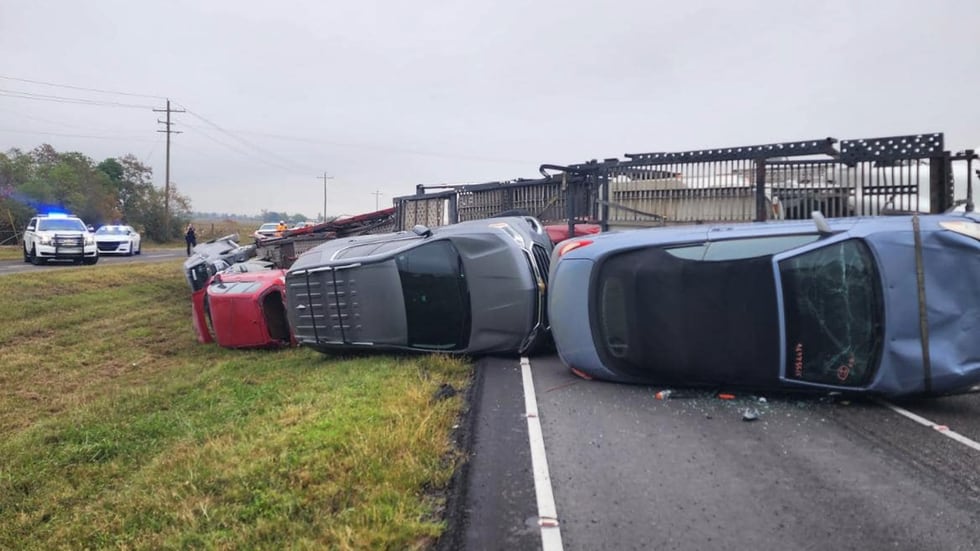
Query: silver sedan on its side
[475,287]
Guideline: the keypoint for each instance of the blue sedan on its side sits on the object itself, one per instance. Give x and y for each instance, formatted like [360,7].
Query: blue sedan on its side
[885,305]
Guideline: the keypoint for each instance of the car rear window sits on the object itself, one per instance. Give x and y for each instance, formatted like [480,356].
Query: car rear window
[436,296]
[832,302]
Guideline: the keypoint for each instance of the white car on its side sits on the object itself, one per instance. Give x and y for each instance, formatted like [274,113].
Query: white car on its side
[117,239]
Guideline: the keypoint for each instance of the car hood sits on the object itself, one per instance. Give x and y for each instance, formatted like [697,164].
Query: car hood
[951,263]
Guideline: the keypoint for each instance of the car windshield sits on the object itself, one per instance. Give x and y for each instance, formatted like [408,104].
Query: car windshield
[60,224]
[112,230]
[436,296]
[833,309]
[268,227]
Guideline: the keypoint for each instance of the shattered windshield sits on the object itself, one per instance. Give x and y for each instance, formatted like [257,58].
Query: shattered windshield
[833,308]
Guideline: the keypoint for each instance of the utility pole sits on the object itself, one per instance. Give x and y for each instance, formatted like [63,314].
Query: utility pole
[377,195]
[324,178]
[166,178]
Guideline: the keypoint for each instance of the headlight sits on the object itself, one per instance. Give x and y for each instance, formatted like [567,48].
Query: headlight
[44,239]
[969,229]
[90,240]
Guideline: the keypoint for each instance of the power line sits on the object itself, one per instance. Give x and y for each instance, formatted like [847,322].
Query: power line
[72,87]
[67,135]
[387,149]
[66,99]
[149,154]
[49,121]
[242,151]
[244,141]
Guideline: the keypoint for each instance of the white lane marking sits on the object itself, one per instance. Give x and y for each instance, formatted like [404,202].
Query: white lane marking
[941,429]
[547,512]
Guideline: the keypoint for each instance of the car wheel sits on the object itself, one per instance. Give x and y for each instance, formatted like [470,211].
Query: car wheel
[35,259]
[91,260]
[130,251]
[139,247]
[27,257]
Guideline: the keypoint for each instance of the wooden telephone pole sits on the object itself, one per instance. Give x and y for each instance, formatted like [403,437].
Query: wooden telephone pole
[166,178]
[324,178]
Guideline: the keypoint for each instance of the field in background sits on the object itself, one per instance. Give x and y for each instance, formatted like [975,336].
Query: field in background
[117,429]
[211,229]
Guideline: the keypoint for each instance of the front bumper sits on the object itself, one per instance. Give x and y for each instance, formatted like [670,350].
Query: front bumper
[57,251]
[117,247]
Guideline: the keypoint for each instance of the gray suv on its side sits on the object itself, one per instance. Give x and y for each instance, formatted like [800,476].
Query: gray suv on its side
[475,287]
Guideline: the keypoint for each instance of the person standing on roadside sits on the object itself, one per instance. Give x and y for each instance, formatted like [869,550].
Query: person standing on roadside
[190,236]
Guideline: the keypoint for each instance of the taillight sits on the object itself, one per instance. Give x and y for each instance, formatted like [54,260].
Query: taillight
[569,246]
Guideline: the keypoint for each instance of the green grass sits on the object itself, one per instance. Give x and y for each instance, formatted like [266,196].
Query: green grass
[117,429]
[11,252]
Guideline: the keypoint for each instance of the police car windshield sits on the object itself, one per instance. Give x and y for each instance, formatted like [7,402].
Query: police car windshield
[112,230]
[60,224]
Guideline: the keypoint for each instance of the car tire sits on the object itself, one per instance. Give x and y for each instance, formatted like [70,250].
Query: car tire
[139,248]
[130,251]
[35,259]
[91,260]
[27,257]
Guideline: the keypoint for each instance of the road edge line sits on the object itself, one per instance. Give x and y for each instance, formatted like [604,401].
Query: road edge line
[547,512]
[941,429]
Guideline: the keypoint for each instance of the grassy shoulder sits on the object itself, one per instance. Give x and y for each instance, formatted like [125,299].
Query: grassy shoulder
[117,429]
[11,252]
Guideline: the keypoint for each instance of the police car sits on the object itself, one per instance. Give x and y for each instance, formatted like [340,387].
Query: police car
[59,236]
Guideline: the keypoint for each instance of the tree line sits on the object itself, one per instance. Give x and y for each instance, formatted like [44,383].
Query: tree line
[115,190]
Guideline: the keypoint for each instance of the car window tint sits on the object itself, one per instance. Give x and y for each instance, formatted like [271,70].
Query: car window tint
[735,249]
[436,296]
[833,309]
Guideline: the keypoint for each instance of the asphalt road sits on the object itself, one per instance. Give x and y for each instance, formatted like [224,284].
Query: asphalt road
[19,266]
[629,471]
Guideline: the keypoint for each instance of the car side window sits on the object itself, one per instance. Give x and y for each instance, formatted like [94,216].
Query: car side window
[738,249]
[32,224]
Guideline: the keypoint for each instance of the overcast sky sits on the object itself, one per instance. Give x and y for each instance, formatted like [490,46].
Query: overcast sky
[386,95]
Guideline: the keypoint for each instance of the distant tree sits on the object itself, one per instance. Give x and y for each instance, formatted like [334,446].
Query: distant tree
[117,189]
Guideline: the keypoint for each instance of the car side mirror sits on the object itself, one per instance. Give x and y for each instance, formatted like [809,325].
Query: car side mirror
[90,228]
[421,231]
